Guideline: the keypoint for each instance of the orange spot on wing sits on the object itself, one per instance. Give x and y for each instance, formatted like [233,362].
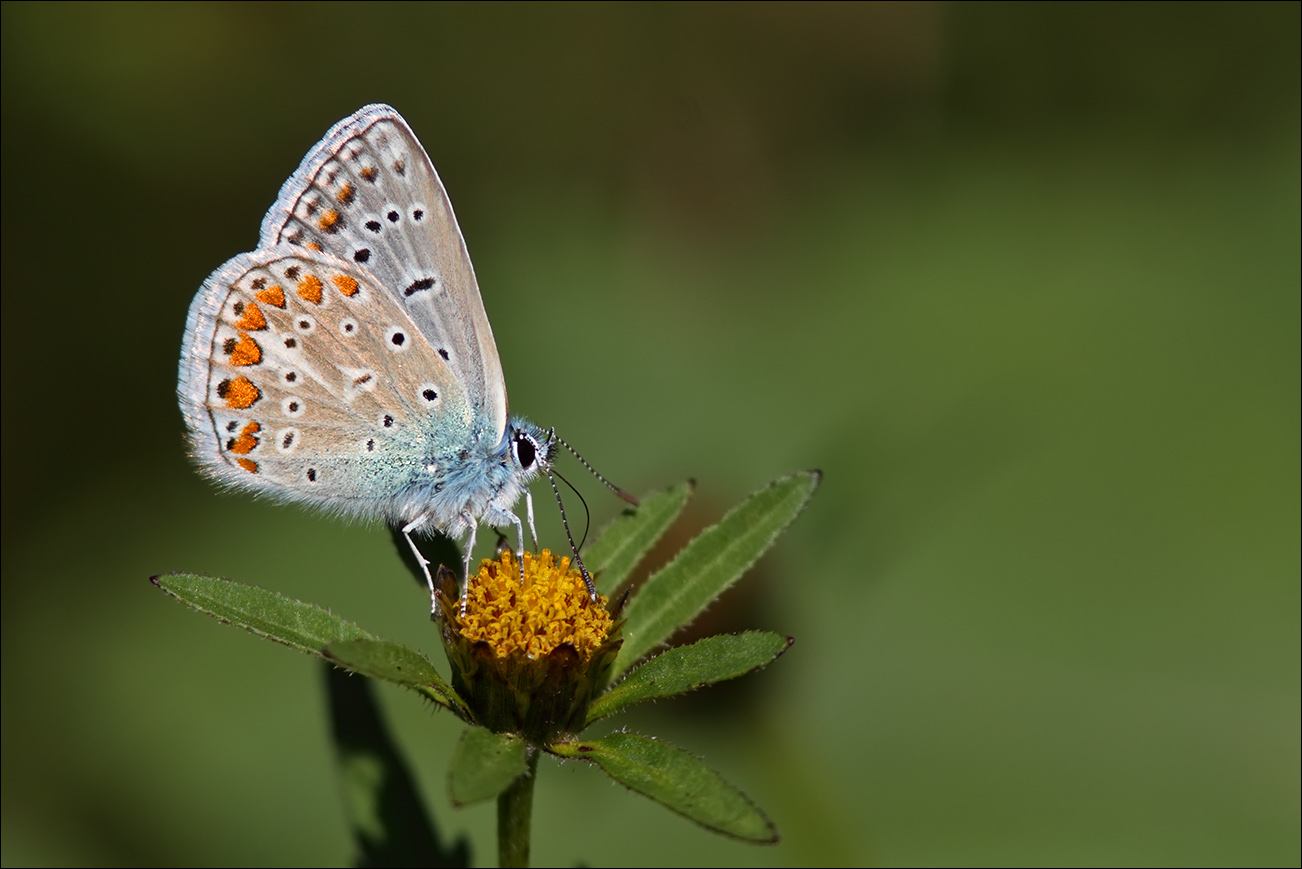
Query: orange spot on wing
[345,194]
[248,465]
[369,173]
[250,317]
[272,295]
[246,351]
[238,393]
[244,444]
[346,285]
[310,288]
[312,245]
[329,221]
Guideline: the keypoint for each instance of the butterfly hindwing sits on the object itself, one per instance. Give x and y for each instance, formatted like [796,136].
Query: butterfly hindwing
[303,378]
[369,194]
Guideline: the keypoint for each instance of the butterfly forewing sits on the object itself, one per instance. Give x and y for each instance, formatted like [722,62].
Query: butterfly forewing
[303,378]
[369,194]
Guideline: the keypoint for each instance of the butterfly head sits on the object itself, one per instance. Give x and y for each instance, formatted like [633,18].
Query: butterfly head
[532,449]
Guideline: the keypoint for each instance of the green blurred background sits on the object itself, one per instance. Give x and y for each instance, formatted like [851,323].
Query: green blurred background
[1023,280]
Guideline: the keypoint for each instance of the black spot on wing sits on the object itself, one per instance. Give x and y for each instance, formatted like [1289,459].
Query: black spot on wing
[419,286]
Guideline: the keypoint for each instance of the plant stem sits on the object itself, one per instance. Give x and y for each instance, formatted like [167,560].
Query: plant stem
[515,815]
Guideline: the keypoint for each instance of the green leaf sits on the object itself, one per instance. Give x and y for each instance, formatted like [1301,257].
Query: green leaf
[390,824]
[710,564]
[394,662]
[484,764]
[710,660]
[676,779]
[623,542]
[302,626]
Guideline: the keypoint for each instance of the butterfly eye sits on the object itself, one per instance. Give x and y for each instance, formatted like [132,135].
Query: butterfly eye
[525,453]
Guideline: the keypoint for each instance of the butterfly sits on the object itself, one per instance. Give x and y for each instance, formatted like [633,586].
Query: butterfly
[347,363]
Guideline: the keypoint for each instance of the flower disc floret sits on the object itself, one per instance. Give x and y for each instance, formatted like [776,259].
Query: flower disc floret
[550,608]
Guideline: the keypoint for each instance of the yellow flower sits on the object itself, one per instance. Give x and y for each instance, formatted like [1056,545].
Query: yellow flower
[529,656]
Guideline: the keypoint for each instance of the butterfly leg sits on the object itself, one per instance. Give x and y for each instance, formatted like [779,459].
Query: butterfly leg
[533,532]
[519,541]
[469,551]
[422,561]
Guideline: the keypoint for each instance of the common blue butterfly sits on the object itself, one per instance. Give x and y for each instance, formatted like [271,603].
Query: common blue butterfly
[347,362]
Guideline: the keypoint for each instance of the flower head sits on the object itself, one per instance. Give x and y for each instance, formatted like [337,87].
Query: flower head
[532,649]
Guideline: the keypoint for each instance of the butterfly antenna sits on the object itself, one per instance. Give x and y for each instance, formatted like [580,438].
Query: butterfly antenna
[587,579]
[591,470]
[587,521]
